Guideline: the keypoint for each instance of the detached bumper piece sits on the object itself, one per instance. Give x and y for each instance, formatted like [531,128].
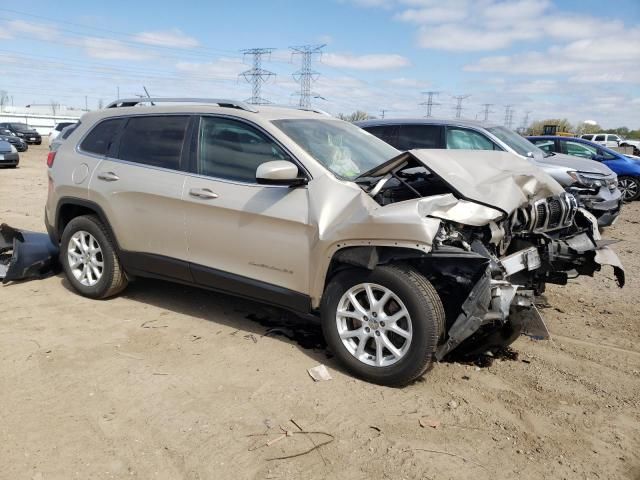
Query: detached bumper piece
[25,254]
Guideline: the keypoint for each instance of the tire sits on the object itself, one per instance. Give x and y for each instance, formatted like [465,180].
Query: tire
[111,279]
[630,188]
[415,353]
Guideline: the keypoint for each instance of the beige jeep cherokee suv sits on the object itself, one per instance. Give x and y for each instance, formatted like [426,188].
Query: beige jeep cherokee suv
[405,257]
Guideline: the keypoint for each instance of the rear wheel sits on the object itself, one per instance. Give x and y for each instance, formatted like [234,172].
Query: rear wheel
[383,325]
[629,187]
[89,258]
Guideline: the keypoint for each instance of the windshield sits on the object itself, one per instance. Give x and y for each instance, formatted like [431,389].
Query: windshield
[20,126]
[521,145]
[344,149]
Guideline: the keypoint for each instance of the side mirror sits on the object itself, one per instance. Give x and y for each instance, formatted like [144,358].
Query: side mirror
[529,154]
[279,172]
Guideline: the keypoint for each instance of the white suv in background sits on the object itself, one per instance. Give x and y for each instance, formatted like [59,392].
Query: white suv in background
[57,129]
[612,140]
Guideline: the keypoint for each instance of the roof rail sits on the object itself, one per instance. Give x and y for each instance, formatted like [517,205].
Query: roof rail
[132,102]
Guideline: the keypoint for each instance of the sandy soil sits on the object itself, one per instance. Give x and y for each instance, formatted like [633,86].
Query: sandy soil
[170,382]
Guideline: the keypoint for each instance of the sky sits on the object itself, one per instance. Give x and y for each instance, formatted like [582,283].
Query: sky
[551,58]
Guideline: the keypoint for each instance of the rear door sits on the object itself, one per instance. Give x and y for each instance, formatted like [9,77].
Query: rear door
[139,186]
[244,237]
[420,136]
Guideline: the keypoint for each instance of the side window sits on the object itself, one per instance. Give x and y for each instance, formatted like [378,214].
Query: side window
[613,138]
[99,139]
[546,145]
[599,138]
[155,141]
[233,150]
[69,131]
[461,138]
[605,155]
[419,136]
[386,133]
[587,137]
[578,149]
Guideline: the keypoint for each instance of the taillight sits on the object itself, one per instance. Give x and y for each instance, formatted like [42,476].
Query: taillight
[50,158]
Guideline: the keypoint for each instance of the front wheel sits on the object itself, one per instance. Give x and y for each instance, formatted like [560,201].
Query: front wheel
[629,187]
[383,325]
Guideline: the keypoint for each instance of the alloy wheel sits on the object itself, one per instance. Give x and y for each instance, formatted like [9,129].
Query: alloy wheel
[374,324]
[85,258]
[629,188]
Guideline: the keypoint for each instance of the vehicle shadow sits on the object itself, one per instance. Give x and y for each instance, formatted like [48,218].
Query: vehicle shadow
[248,317]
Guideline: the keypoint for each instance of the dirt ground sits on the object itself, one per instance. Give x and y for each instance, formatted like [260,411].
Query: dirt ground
[171,382]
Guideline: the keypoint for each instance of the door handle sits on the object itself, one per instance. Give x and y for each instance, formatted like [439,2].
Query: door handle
[108,176]
[203,193]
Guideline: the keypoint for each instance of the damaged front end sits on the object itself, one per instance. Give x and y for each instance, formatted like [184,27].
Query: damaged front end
[497,247]
[25,254]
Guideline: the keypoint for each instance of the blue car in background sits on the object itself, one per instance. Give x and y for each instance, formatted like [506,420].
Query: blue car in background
[627,169]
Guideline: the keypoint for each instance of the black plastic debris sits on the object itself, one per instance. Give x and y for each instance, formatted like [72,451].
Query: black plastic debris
[25,254]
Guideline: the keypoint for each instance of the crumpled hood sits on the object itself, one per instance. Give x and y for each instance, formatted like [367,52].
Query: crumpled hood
[576,163]
[498,179]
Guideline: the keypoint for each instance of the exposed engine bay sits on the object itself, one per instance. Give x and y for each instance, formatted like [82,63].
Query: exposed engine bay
[489,273]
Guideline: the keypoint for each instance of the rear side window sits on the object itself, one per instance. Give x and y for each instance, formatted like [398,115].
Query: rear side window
[154,140]
[234,150]
[64,135]
[587,137]
[419,136]
[99,140]
[599,138]
[546,145]
[387,133]
[463,139]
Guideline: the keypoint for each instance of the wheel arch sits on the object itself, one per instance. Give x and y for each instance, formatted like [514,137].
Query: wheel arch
[69,208]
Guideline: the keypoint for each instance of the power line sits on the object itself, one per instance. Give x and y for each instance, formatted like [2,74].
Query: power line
[306,75]
[458,107]
[429,103]
[257,75]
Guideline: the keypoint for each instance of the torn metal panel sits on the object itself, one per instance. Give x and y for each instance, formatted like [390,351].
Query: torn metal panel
[25,254]
[606,256]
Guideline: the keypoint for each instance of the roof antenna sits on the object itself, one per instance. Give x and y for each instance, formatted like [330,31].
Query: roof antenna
[148,96]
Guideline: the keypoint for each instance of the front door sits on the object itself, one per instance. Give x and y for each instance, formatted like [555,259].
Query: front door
[244,237]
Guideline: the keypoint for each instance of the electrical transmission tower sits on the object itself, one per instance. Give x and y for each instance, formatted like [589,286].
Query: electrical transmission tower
[257,75]
[429,103]
[525,120]
[306,75]
[508,116]
[458,107]
[382,112]
[486,110]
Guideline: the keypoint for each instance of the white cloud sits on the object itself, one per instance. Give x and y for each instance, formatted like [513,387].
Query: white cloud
[168,38]
[108,49]
[519,10]
[222,68]
[365,62]
[604,60]
[458,37]
[404,82]
[29,29]
[432,15]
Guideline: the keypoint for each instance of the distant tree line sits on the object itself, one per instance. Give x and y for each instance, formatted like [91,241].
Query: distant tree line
[537,128]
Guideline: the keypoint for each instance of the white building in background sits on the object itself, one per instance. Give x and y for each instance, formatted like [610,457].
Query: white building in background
[42,117]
